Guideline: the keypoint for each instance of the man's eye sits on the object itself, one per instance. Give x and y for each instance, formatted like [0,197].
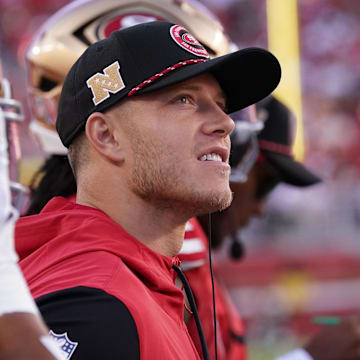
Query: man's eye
[183,99]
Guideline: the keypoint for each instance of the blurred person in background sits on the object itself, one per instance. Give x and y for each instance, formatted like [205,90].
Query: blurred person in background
[274,165]
[23,334]
[76,27]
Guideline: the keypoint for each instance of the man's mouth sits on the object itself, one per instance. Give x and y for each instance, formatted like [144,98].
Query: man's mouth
[216,153]
[211,157]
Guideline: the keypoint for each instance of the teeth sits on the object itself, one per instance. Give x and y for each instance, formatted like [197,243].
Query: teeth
[211,157]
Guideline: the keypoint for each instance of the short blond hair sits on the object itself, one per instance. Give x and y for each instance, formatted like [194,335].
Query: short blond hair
[78,154]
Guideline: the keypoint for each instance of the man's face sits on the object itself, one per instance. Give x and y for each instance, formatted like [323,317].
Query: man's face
[179,146]
[250,197]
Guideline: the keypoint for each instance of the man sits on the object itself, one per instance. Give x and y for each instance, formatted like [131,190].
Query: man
[144,114]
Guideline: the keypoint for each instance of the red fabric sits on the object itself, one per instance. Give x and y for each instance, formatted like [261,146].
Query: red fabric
[197,252]
[70,245]
[227,317]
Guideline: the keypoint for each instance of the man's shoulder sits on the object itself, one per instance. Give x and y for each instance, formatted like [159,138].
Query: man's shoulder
[99,269]
[64,226]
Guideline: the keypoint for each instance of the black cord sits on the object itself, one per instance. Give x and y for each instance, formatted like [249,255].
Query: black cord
[191,299]
[213,290]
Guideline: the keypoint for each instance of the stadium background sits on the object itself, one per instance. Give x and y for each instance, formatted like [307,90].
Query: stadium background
[303,257]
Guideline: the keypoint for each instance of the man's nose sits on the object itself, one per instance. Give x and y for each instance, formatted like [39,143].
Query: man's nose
[218,122]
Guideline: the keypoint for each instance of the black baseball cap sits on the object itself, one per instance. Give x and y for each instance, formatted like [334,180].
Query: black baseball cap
[275,143]
[152,56]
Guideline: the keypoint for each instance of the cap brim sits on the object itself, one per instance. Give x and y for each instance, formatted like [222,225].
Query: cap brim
[291,171]
[246,76]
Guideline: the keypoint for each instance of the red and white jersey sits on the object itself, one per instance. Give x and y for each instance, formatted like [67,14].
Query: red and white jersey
[194,262]
[194,252]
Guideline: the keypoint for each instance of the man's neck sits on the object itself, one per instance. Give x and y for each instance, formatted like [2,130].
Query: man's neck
[159,229]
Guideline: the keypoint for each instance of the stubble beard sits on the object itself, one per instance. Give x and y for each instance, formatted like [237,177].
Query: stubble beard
[162,183]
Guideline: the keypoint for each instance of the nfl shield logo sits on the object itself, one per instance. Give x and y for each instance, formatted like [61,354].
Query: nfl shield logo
[66,346]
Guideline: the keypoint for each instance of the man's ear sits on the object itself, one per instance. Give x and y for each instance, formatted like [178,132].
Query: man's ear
[100,134]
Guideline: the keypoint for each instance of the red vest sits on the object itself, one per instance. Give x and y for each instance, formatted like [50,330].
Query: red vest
[69,245]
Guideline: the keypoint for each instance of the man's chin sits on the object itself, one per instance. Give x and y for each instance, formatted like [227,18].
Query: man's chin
[213,202]
[189,203]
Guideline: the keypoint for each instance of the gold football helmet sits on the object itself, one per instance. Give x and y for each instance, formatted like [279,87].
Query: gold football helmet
[64,37]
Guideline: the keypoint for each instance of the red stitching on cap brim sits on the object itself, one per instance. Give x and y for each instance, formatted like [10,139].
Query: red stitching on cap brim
[162,73]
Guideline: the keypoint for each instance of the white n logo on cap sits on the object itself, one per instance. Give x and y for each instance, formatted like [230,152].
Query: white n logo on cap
[103,84]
